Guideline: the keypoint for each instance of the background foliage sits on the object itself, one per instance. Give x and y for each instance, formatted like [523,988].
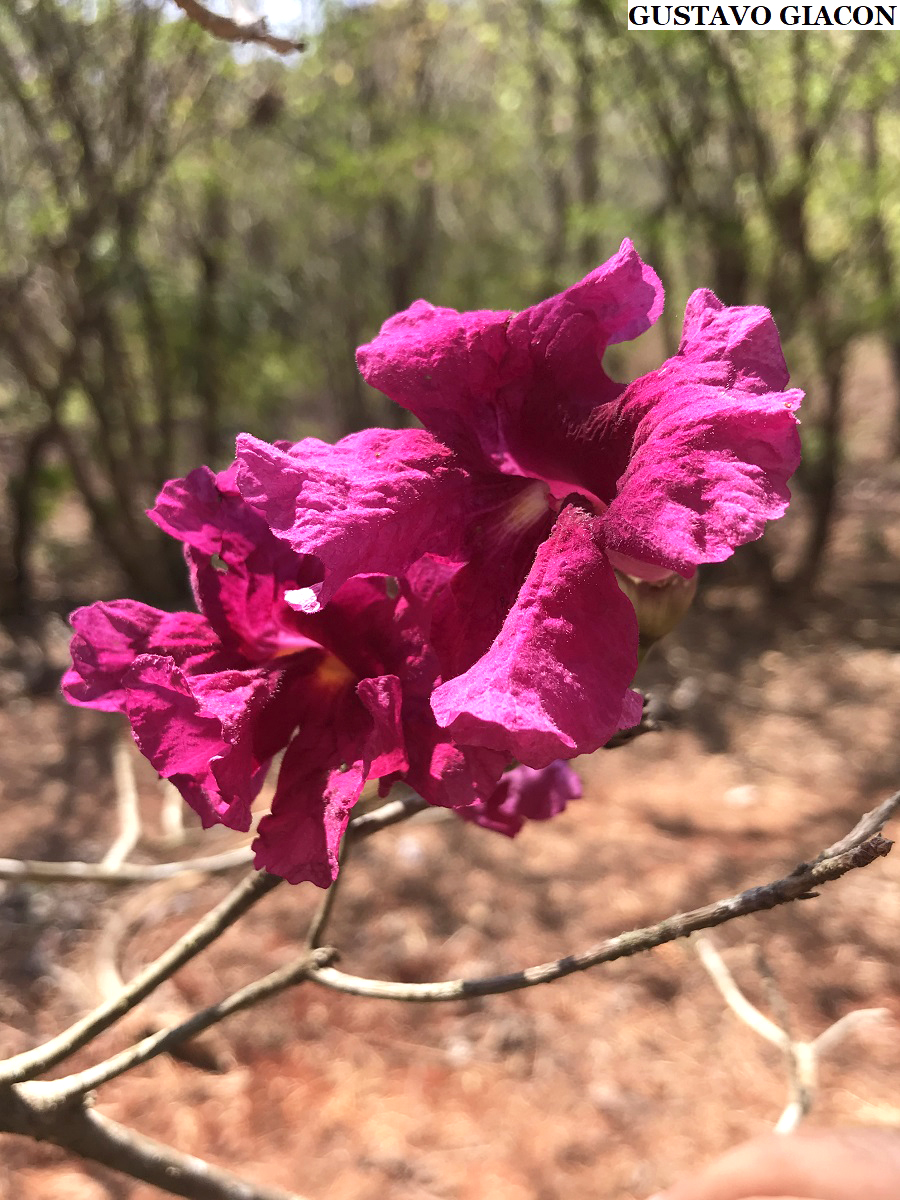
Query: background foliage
[193,242]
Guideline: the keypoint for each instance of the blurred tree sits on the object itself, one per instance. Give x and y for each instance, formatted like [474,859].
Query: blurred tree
[195,243]
[754,139]
[96,106]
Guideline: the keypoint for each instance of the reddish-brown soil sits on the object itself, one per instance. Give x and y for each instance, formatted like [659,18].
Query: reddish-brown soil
[605,1085]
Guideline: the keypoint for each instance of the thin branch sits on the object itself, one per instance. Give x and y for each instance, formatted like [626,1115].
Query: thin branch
[316,933]
[172,815]
[803,1070]
[127,804]
[866,827]
[796,886]
[391,813]
[242,898]
[34,871]
[16,84]
[60,1092]
[227,30]
[733,996]
[801,1063]
[848,1024]
[26,870]
[95,1137]
[842,81]
[153,902]
[803,1056]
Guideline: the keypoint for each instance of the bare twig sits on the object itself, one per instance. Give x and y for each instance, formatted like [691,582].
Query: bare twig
[798,885]
[228,30]
[319,970]
[867,826]
[733,996]
[127,803]
[390,813]
[25,870]
[56,1111]
[848,1024]
[31,870]
[800,1056]
[242,898]
[800,1062]
[316,932]
[60,1092]
[803,1056]
[95,1137]
[172,815]
[149,903]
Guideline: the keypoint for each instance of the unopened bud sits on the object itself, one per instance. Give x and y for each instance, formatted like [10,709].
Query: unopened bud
[659,606]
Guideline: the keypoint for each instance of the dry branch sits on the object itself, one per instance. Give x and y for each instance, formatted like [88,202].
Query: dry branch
[60,1092]
[172,815]
[242,898]
[59,1111]
[796,886]
[127,804]
[735,998]
[35,871]
[867,826]
[228,30]
[93,1136]
[315,966]
[32,871]
[803,1056]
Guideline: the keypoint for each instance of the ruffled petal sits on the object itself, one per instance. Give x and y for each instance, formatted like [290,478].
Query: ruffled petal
[508,518]
[524,794]
[710,446]
[554,682]
[323,772]
[198,732]
[240,571]
[204,511]
[513,390]
[385,749]
[740,345]
[373,503]
[445,774]
[446,367]
[300,839]
[109,636]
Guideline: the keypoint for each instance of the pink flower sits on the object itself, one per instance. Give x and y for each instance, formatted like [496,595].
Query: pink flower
[213,696]
[524,794]
[535,475]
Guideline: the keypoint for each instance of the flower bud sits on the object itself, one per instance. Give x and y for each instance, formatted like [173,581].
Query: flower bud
[659,605]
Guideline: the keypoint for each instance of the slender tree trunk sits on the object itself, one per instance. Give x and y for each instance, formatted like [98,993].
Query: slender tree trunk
[883,262]
[208,376]
[22,491]
[824,475]
[587,141]
[558,207]
[894,353]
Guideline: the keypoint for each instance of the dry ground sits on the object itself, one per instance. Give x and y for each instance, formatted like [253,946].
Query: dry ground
[605,1085]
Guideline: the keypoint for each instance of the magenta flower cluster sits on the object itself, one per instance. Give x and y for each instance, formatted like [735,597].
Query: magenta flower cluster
[433,605]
